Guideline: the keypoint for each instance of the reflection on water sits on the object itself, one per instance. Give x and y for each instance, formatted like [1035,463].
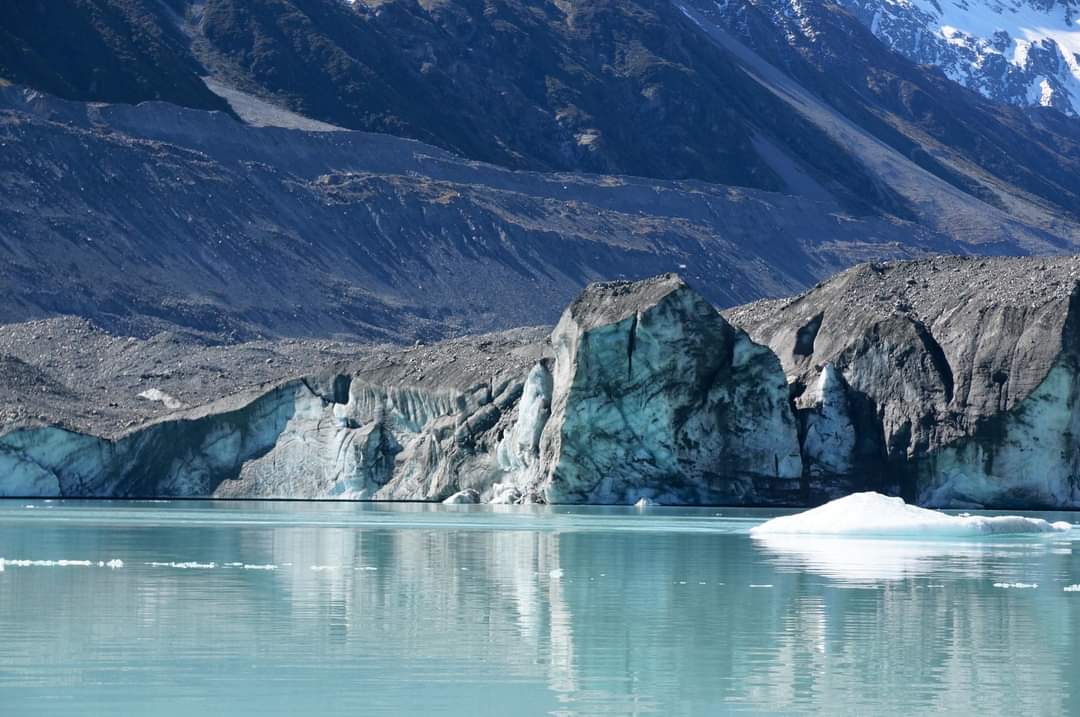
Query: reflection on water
[857,561]
[389,610]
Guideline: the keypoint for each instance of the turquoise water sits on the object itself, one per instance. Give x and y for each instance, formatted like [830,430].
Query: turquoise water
[350,609]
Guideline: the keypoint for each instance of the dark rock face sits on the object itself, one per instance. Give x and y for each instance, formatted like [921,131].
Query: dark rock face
[958,377]
[105,50]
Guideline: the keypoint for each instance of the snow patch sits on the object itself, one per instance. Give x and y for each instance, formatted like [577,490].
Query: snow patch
[874,515]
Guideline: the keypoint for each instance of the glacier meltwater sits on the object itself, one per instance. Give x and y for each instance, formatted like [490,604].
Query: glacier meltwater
[335,608]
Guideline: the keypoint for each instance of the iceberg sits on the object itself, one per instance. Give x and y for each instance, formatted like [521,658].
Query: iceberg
[871,514]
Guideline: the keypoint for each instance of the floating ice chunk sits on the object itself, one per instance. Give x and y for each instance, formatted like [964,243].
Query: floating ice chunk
[1019,586]
[556,574]
[184,566]
[1067,588]
[1,565]
[644,503]
[875,515]
[765,585]
[259,567]
[465,497]
[323,568]
[45,563]
[114,564]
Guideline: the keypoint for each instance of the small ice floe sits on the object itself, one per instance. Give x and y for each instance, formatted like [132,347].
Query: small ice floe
[156,394]
[556,574]
[1072,588]
[874,515]
[760,585]
[248,566]
[15,563]
[1017,586]
[189,565]
[323,568]
[644,503]
[114,564]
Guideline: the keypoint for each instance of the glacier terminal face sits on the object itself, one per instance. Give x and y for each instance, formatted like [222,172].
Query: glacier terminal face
[951,382]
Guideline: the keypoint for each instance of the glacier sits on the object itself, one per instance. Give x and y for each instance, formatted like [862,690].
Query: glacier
[887,378]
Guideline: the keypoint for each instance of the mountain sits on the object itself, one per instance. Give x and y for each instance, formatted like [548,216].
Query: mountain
[405,169]
[941,140]
[607,86]
[1020,52]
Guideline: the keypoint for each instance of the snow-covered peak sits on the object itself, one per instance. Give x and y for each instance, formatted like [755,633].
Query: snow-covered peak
[1023,52]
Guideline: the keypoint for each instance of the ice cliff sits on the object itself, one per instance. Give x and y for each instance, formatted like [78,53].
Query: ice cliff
[952,382]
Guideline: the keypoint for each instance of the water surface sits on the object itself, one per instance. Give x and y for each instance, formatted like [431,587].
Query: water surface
[227,608]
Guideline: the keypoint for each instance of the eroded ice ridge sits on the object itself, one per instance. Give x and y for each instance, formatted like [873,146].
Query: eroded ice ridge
[870,514]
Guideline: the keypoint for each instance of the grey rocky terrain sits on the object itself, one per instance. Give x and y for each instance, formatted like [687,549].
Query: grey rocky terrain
[158,218]
[950,380]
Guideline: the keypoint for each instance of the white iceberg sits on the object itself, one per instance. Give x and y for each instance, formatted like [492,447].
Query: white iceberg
[864,515]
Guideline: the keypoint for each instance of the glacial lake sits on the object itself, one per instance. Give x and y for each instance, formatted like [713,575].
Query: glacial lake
[226,608]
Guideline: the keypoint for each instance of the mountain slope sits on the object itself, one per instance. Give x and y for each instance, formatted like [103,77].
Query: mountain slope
[108,50]
[834,148]
[1024,164]
[154,217]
